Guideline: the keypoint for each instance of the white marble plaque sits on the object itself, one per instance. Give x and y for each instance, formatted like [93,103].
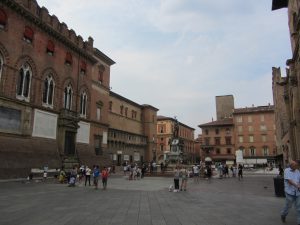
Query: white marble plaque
[83,133]
[44,124]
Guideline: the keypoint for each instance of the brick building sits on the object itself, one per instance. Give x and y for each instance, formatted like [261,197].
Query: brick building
[132,129]
[218,141]
[251,130]
[54,93]
[280,95]
[254,134]
[290,141]
[165,129]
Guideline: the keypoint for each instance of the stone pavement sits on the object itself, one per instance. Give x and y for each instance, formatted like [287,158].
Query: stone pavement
[147,201]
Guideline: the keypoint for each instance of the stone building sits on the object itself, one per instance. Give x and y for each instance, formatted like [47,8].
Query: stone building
[290,143]
[282,125]
[132,130]
[224,106]
[165,129]
[54,94]
[254,134]
[218,141]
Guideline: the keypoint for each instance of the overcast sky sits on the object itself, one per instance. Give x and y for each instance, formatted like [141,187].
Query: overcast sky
[177,55]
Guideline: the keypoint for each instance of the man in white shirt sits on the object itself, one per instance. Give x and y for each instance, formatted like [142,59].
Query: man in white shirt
[196,173]
[291,188]
[88,175]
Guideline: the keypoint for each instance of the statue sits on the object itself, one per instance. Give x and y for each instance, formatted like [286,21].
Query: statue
[176,145]
[176,129]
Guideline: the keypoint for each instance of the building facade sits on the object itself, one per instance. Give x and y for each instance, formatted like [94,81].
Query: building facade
[255,134]
[54,94]
[282,125]
[165,129]
[290,143]
[132,130]
[218,141]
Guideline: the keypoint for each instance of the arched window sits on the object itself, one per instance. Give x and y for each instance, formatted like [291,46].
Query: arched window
[28,34]
[68,92]
[50,48]
[68,60]
[83,103]
[24,80]
[3,19]
[48,91]
[1,65]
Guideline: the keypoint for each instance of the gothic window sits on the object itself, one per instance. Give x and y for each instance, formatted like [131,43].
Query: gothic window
[68,59]
[83,103]
[110,106]
[48,91]
[68,92]
[28,34]
[50,48]
[3,19]
[24,80]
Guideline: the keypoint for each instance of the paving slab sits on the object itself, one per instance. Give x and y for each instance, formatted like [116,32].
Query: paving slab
[141,202]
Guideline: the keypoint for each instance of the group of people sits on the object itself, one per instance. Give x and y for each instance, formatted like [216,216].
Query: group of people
[84,172]
[223,170]
[134,171]
[180,172]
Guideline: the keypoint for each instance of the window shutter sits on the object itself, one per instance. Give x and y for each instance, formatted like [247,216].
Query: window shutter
[3,18]
[28,33]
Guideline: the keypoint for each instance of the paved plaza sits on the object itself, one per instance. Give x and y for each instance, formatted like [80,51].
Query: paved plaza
[144,202]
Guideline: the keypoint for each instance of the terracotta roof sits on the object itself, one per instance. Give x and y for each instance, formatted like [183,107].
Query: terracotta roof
[257,109]
[216,123]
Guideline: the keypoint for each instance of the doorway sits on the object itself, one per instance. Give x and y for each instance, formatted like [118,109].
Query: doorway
[70,143]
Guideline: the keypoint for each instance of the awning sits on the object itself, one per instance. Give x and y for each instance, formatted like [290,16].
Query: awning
[278,4]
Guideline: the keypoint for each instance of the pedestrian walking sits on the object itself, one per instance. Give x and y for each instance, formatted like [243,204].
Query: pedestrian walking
[104,175]
[176,179]
[184,177]
[87,175]
[208,173]
[240,171]
[292,190]
[96,174]
[196,171]
[280,169]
